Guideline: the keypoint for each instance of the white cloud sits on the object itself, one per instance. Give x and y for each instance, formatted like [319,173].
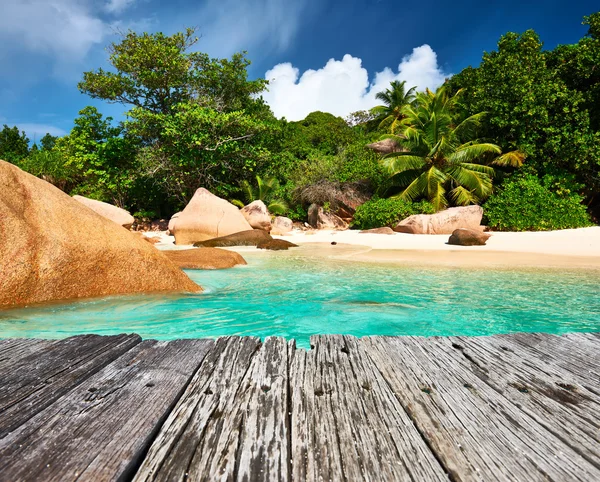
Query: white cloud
[37,131]
[342,86]
[66,29]
[118,6]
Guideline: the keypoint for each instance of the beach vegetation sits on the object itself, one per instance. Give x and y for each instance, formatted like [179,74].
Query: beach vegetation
[525,202]
[379,212]
[394,99]
[264,190]
[442,158]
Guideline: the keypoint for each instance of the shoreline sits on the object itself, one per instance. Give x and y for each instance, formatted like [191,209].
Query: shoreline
[569,248]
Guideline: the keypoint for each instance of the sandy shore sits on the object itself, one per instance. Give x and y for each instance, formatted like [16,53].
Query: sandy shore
[570,248]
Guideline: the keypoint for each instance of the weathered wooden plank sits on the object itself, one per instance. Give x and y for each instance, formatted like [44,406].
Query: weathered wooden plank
[544,393]
[13,350]
[38,379]
[199,438]
[476,433]
[101,429]
[578,359]
[347,423]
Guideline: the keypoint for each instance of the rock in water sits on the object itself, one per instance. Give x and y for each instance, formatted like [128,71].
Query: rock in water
[319,219]
[257,215]
[205,258]
[468,237]
[444,222]
[52,247]
[282,226]
[276,245]
[384,230]
[246,238]
[206,217]
[118,215]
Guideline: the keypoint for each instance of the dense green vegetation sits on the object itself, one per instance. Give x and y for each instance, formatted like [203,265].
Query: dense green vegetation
[519,133]
[378,212]
[548,206]
[442,159]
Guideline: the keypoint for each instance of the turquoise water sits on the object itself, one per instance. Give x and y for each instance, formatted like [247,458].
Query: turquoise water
[288,294]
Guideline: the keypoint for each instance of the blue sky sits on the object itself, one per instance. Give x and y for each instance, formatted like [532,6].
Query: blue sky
[330,55]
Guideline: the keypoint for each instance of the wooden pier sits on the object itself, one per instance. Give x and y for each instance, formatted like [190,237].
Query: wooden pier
[521,407]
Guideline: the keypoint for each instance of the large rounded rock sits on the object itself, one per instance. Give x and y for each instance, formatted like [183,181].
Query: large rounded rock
[115,214]
[171,225]
[282,226]
[468,237]
[205,258]
[206,217]
[319,219]
[52,247]
[246,238]
[276,245]
[257,215]
[444,222]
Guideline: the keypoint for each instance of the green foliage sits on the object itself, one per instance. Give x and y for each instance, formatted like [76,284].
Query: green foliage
[155,72]
[377,213]
[48,142]
[199,146]
[526,203]
[50,166]
[443,160]
[545,104]
[101,161]
[265,190]
[14,145]
[394,99]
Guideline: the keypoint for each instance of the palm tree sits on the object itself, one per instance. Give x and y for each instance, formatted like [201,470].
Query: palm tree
[394,99]
[264,190]
[443,161]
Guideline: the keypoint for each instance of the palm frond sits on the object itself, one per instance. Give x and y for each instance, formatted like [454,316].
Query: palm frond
[237,202]
[512,159]
[468,127]
[478,183]
[462,196]
[247,191]
[278,207]
[472,152]
[396,162]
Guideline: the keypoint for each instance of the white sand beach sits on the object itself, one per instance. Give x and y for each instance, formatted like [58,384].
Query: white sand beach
[569,248]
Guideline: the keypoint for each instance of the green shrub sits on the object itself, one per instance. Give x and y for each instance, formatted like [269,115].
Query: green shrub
[528,203]
[377,213]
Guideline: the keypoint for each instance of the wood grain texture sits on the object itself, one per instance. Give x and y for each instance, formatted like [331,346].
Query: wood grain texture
[102,428]
[32,382]
[12,350]
[547,394]
[477,433]
[347,423]
[199,440]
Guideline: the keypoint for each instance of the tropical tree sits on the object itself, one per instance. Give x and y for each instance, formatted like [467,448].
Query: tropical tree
[442,160]
[394,99]
[14,145]
[264,191]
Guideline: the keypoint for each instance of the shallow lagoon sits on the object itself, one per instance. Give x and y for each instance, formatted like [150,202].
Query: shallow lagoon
[295,296]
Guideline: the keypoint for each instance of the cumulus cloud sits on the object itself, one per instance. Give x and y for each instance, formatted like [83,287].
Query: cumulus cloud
[342,86]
